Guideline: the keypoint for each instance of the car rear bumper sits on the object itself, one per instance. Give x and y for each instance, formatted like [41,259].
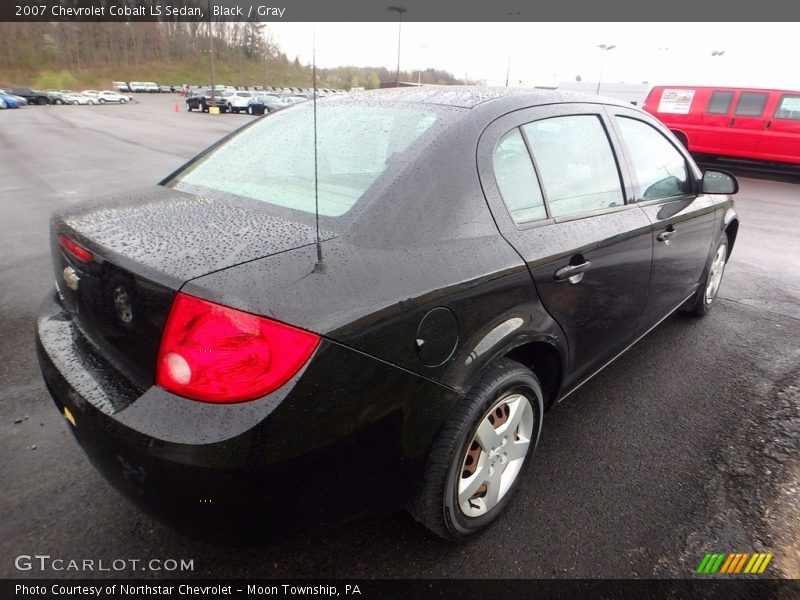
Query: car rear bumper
[320,450]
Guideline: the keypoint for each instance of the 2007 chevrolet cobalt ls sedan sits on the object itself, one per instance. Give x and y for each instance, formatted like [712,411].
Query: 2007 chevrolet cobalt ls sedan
[310,323]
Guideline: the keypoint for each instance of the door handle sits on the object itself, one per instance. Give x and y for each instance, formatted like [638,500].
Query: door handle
[666,234]
[769,124]
[732,122]
[572,273]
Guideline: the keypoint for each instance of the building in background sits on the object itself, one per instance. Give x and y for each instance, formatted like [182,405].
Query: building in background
[634,93]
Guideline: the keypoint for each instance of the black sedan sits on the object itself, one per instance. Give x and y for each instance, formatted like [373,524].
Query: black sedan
[378,316]
[265,103]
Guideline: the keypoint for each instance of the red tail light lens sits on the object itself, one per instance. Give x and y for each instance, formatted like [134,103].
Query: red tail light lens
[79,252]
[213,353]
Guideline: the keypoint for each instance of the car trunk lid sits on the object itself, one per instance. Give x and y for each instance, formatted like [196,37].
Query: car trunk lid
[144,246]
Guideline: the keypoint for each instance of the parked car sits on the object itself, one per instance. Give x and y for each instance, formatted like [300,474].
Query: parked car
[164,89]
[109,96]
[120,86]
[151,87]
[55,96]
[755,124]
[91,93]
[200,99]
[76,99]
[31,96]
[237,101]
[138,87]
[9,101]
[3,103]
[264,103]
[219,357]
[18,100]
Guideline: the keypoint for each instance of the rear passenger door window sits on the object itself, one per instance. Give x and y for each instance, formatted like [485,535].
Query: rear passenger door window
[659,167]
[750,104]
[576,165]
[720,102]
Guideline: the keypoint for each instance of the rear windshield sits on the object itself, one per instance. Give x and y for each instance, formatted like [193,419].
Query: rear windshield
[273,160]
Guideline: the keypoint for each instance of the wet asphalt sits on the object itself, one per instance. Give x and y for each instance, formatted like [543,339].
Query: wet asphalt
[686,444]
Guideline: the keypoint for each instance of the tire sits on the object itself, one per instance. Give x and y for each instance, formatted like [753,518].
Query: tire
[102,101]
[703,300]
[462,462]
[122,101]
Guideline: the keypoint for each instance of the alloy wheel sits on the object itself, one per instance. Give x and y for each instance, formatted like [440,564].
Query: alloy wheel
[715,273]
[496,454]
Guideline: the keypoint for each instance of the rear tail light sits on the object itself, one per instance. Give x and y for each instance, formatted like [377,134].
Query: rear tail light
[213,353]
[79,252]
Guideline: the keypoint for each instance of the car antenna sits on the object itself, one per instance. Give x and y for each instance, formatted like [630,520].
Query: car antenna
[320,266]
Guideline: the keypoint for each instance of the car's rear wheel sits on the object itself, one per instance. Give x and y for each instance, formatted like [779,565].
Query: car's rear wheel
[703,300]
[102,100]
[481,453]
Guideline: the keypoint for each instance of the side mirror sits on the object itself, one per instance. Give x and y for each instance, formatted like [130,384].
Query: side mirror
[718,182]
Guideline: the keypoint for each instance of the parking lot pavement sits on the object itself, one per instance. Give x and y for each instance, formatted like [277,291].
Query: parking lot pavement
[687,444]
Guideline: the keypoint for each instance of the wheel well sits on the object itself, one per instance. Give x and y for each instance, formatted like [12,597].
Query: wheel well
[731,230]
[681,137]
[544,360]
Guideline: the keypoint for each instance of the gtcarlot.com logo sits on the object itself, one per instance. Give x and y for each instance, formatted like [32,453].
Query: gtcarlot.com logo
[45,562]
[733,563]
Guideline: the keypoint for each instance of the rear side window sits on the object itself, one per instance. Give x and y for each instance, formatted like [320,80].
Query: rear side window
[750,104]
[719,103]
[516,179]
[659,167]
[578,170]
[789,108]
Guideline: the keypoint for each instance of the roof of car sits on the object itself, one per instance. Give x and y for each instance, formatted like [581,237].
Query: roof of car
[472,96]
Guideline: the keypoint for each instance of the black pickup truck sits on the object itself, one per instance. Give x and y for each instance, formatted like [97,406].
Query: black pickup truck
[200,99]
[32,96]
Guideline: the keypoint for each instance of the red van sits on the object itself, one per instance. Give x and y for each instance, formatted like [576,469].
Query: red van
[747,123]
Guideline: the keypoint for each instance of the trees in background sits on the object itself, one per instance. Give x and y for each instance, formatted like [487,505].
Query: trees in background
[47,54]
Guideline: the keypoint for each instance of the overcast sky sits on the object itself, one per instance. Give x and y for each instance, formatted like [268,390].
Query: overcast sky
[756,54]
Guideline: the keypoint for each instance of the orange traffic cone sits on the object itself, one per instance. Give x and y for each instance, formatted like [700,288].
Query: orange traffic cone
[175,108]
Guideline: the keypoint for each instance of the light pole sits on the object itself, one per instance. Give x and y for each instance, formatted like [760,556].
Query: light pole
[399,10]
[211,50]
[419,72]
[603,64]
